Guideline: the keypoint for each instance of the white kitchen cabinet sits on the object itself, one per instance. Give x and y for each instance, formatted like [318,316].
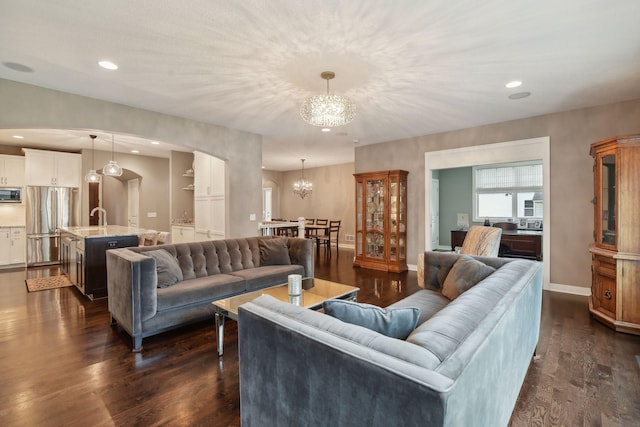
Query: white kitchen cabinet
[182,233]
[13,244]
[209,197]
[11,171]
[18,245]
[209,218]
[53,168]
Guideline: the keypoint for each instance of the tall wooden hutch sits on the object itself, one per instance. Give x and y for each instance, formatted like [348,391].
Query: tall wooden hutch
[615,253]
[381,220]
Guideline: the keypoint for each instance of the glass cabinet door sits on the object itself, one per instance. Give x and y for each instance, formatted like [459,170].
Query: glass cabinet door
[606,202]
[375,226]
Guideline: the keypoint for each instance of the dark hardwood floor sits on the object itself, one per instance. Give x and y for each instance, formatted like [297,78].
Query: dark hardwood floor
[61,364]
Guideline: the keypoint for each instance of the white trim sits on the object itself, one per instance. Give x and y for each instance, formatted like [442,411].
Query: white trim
[412,267]
[502,152]
[569,289]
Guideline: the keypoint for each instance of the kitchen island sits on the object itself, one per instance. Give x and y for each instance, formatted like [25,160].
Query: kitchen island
[83,254]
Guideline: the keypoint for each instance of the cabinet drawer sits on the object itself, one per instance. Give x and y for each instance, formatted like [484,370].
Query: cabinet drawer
[604,285]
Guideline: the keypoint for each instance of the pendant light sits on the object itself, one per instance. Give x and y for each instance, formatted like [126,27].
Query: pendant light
[302,187]
[112,168]
[328,110]
[92,176]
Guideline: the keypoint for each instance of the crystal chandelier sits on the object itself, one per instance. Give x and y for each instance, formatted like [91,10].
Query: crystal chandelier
[112,168]
[328,110]
[92,176]
[302,187]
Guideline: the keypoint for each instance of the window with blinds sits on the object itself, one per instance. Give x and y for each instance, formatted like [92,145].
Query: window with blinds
[508,191]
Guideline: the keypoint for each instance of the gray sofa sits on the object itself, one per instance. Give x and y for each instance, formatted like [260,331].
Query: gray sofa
[463,365]
[152,292]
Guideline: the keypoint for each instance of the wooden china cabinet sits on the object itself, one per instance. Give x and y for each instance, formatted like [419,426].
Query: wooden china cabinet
[615,253]
[381,220]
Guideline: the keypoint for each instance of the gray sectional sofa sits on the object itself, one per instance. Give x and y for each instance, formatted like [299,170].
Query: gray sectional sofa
[156,288]
[463,365]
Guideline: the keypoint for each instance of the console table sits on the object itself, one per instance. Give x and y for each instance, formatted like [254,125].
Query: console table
[513,243]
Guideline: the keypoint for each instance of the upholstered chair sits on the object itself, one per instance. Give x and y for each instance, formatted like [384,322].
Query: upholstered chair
[482,241]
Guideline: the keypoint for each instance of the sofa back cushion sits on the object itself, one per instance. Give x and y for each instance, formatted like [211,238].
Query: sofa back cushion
[201,259]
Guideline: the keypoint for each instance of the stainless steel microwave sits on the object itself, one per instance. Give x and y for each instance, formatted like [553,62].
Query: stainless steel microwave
[10,195]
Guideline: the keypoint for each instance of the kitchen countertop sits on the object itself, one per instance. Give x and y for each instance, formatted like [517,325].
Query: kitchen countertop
[101,231]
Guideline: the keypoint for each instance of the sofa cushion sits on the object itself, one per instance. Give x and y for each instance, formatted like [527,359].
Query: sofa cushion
[464,274]
[429,302]
[270,275]
[392,322]
[167,268]
[195,291]
[274,251]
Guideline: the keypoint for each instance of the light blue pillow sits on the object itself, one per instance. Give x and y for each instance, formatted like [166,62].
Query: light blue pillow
[167,268]
[392,322]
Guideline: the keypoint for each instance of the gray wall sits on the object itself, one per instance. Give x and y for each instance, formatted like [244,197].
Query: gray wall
[26,106]
[153,173]
[456,196]
[571,134]
[333,195]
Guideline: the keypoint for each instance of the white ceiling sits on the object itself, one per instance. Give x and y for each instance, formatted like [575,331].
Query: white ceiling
[412,67]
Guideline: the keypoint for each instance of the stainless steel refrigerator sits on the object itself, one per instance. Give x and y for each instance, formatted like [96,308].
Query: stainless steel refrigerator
[48,209]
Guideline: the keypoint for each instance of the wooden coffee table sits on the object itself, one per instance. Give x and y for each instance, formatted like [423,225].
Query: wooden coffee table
[314,293]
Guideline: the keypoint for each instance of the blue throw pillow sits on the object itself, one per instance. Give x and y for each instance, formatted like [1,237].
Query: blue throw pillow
[392,322]
[167,268]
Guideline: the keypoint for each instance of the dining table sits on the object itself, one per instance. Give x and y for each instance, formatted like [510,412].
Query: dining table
[309,231]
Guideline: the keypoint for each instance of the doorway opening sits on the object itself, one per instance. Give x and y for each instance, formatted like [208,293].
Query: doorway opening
[503,152]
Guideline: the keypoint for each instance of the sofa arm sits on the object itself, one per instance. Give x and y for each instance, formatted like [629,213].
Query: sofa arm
[301,253]
[132,288]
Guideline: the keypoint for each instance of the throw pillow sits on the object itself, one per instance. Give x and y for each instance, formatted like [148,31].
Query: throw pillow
[392,322]
[167,268]
[464,274]
[274,251]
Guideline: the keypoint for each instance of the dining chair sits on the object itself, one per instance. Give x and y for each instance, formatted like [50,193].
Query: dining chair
[322,221]
[332,235]
[309,221]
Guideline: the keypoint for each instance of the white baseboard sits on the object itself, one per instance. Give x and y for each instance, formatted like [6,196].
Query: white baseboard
[569,289]
[412,267]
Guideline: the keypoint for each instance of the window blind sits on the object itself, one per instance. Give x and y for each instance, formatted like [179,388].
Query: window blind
[521,176]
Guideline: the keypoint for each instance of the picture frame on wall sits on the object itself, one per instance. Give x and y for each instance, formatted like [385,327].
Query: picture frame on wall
[537,225]
[523,223]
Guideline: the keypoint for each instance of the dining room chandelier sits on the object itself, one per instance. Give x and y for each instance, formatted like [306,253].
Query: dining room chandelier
[328,110]
[112,168]
[92,175]
[302,187]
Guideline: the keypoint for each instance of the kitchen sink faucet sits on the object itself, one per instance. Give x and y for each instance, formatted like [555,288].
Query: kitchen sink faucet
[104,213]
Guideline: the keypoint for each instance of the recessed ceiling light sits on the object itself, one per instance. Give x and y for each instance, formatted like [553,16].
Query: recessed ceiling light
[355,141]
[519,95]
[135,151]
[15,66]
[513,83]
[108,65]
[155,143]
[18,136]
[326,129]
